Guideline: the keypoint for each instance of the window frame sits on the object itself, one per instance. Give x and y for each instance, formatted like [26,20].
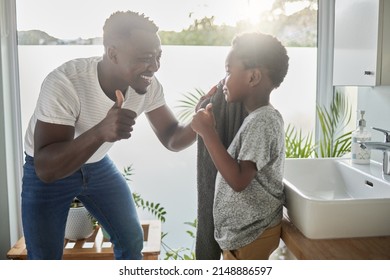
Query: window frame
[11,134]
[11,145]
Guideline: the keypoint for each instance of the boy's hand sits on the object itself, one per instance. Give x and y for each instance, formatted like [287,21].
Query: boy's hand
[203,122]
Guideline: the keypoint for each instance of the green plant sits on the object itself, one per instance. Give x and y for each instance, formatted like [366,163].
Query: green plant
[333,122]
[155,208]
[181,253]
[159,212]
[76,203]
[297,145]
[188,103]
[334,141]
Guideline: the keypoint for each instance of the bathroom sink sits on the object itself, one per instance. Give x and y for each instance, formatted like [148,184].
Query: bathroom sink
[333,198]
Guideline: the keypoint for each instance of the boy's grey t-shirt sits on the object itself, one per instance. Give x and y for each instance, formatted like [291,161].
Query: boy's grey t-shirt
[241,217]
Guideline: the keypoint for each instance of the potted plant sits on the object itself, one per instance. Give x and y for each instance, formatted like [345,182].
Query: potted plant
[79,224]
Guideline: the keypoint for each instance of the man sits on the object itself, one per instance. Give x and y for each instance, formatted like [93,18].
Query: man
[86,105]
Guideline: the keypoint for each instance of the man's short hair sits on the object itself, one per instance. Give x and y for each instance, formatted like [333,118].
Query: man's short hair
[120,25]
[258,50]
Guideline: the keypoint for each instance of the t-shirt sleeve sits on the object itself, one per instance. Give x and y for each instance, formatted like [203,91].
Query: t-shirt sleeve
[259,141]
[58,102]
[156,98]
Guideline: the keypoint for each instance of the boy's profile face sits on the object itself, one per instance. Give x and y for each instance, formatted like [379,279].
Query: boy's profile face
[237,79]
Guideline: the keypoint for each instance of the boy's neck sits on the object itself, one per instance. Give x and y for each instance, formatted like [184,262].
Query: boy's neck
[256,101]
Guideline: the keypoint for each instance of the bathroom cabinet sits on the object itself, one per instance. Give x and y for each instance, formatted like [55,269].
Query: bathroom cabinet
[361,43]
[360,248]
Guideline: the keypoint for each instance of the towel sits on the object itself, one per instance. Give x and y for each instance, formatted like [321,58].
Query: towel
[229,118]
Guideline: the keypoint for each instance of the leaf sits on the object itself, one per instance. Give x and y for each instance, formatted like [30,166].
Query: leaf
[188,104]
[334,141]
[297,145]
[127,172]
[190,233]
[333,121]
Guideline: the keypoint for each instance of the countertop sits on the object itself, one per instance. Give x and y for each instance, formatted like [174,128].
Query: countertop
[303,248]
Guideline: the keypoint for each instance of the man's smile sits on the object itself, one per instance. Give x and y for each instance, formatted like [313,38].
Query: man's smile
[147,79]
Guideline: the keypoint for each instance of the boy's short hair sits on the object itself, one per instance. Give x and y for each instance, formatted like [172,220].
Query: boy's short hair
[120,25]
[256,49]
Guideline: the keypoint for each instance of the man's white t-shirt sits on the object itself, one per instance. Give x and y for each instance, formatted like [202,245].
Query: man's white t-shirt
[71,95]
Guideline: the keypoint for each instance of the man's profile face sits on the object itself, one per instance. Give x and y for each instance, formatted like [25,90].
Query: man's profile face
[138,59]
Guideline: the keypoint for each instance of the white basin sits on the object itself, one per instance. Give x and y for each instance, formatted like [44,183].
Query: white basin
[333,198]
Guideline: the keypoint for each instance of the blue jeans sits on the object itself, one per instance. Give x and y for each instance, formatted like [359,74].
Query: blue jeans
[103,191]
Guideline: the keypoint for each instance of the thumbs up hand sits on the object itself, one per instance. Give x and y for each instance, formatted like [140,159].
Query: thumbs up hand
[119,99]
[203,121]
[118,124]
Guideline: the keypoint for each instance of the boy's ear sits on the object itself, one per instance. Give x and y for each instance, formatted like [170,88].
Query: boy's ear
[255,77]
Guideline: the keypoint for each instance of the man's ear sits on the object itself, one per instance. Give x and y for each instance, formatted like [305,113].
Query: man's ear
[112,54]
[255,77]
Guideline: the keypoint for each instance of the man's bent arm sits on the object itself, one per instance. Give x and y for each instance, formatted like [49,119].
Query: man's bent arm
[57,154]
[171,134]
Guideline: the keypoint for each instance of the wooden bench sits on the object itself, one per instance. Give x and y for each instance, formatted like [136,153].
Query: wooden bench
[97,247]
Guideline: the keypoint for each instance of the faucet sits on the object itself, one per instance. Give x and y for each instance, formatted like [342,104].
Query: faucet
[383,146]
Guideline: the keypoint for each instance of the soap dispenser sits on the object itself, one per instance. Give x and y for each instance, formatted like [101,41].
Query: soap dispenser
[361,134]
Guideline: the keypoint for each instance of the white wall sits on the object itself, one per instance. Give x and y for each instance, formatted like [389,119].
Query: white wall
[376,102]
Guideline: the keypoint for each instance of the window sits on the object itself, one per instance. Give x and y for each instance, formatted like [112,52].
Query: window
[162,176]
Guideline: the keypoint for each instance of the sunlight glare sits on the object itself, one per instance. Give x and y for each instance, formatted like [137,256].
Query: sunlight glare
[293,7]
[253,9]
[169,15]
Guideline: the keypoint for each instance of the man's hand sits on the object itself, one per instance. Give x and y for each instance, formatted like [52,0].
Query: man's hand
[118,124]
[119,99]
[58,154]
[205,98]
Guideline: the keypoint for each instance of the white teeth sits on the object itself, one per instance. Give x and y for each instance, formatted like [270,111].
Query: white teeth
[147,78]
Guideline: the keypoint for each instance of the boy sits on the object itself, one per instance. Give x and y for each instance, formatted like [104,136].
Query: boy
[249,195]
